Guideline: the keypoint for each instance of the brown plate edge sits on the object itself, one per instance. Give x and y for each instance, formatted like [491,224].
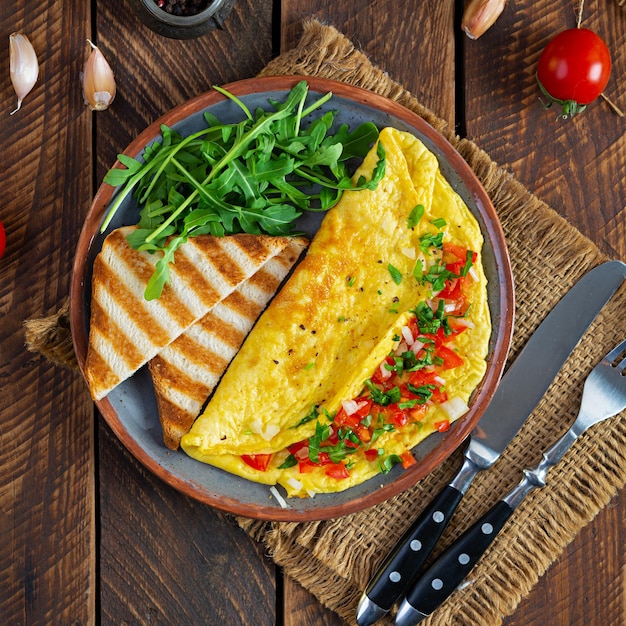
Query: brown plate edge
[503,325]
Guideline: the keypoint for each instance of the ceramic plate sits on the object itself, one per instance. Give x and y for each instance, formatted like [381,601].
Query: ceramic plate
[131,411]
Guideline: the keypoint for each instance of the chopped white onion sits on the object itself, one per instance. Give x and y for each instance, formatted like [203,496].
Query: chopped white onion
[408,252]
[408,335]
[270,431]
[417,346]
[455,407]
[302,454]
[279,498]
[439,380]
[473,274]
[449,307]
[401,349]
[295,483]
[463,321]
[256,426]
[352,406]
[384,372]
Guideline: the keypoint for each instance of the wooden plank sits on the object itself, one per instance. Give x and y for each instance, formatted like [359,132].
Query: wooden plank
[396,36]
[303,608]
[158,73]
[165,558]
[579,168]
[47,479]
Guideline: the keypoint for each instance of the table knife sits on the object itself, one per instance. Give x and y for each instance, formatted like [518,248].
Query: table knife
[519,391]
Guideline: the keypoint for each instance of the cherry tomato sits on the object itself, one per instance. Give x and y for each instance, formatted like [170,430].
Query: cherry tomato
[573,69]
[3,239]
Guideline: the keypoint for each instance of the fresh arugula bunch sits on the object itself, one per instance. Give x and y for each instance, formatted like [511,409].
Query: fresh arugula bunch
[254,176]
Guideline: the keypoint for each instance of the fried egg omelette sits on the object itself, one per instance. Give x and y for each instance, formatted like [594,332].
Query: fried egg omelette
[377,340]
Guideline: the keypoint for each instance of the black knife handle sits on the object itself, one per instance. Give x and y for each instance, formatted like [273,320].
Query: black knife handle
[402,566]
[450,569]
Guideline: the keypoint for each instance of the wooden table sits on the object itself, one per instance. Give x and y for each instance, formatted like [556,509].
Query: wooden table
[87,535]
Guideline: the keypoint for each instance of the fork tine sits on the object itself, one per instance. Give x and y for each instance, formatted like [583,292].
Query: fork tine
[614,354]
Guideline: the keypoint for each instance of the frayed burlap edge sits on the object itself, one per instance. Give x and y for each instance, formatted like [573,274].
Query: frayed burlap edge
[51,336]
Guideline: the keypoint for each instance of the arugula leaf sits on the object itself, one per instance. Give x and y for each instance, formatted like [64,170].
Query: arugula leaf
[256,175]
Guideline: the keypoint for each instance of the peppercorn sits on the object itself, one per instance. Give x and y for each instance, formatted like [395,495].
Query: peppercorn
[182,7]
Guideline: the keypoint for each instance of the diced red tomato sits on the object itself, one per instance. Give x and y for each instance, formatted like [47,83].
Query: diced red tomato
[337,470]
[456,328]
[306,467]
[453,252]
[363,433]
[377,376]
[423,377]
[371,454]
[257,461]
[352,421]
[452,290]
[442,426]
[439,396]
[396,415]
[435,339]
[450,358]
[407,459]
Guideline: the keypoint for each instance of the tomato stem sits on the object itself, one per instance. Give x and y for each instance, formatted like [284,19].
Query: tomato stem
[569,108]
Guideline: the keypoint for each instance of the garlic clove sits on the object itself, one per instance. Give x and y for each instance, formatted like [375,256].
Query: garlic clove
[480,15]
[23,66]
[98,81]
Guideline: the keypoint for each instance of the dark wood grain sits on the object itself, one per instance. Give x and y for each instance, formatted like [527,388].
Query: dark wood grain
[162,73]
[397,37]
[302,608]
[167,559]
[87,534]
[46,453]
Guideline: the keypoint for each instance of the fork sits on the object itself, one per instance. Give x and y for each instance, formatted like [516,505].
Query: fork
[604,395]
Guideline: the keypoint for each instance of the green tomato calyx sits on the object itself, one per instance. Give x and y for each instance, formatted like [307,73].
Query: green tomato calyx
[569,108]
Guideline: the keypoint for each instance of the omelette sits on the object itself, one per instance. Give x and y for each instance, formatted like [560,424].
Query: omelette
[377,340]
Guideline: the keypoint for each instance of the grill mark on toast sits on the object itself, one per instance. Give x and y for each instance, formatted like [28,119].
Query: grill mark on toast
[134,269]
[108,346]
[194,270]
[199,357]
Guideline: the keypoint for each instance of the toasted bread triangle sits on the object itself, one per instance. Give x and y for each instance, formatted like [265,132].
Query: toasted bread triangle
[126,330]
[185,373]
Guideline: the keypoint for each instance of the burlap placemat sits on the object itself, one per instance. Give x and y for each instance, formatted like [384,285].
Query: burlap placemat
[334,559]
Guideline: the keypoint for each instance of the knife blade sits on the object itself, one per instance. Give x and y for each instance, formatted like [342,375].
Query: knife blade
[519,391]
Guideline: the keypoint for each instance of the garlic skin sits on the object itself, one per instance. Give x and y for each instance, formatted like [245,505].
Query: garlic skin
[480,15]
[23,66]
[98,81]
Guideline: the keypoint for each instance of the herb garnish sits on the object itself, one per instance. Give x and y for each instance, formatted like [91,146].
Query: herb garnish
[253,176]
[396,274]
[415,216]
